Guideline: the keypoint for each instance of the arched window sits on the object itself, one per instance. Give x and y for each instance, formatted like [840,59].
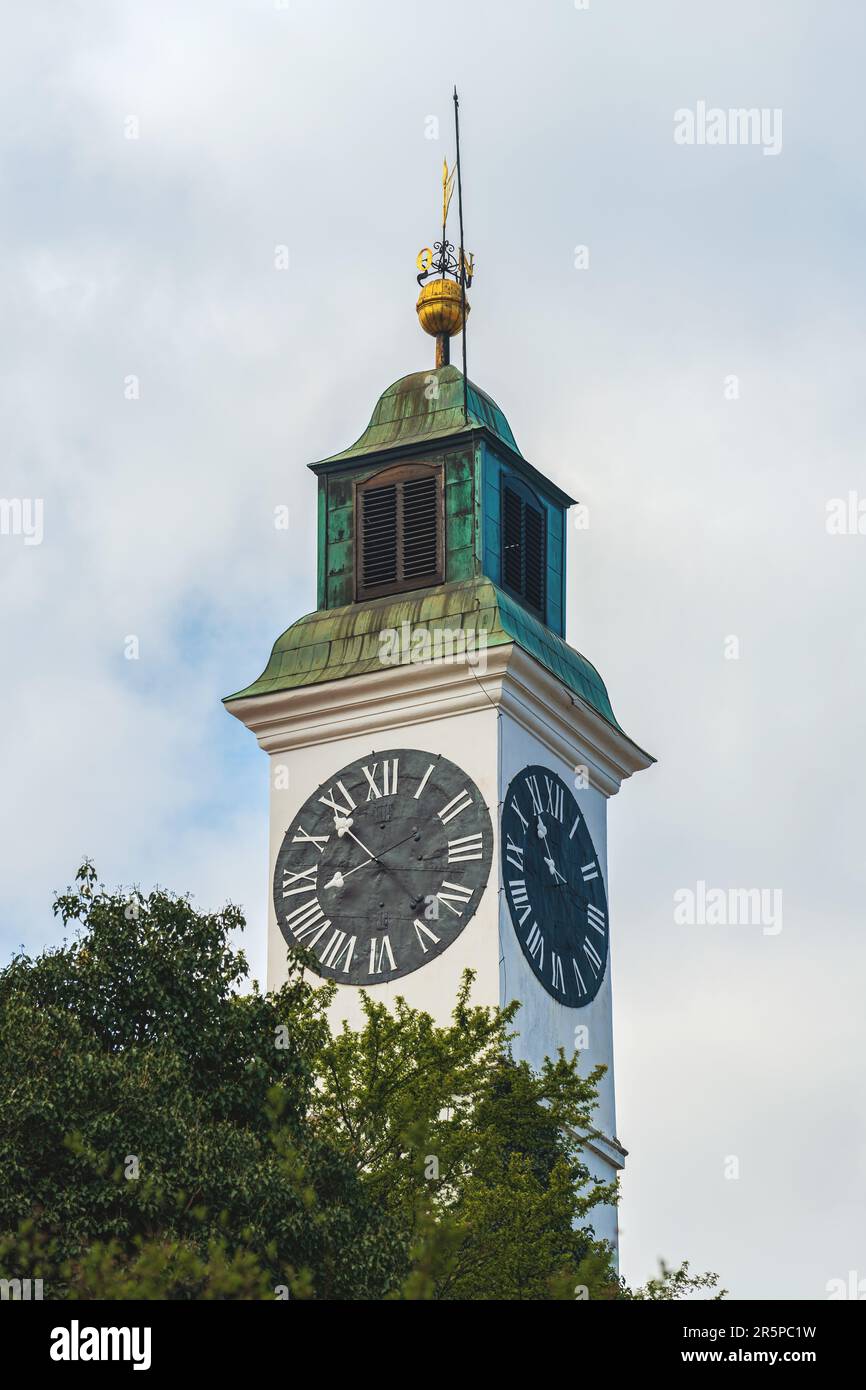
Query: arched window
[524,544]
[399,530]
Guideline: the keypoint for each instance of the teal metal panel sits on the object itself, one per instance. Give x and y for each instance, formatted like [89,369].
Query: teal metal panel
[409,412]
[495,470]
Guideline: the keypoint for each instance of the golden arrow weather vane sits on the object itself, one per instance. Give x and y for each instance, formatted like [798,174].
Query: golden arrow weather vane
[445,272]
[447,190]
[445,258]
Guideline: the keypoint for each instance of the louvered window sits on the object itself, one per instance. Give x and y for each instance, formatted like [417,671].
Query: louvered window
[524,550]
[399,530]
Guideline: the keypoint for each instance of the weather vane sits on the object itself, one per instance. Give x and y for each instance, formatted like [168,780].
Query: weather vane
[445,258]
[442,305]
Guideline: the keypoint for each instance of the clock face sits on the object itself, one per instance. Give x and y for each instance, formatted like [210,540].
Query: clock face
[383,866]
[553,886]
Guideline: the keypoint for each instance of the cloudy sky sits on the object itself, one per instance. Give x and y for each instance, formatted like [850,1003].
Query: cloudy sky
[699,385]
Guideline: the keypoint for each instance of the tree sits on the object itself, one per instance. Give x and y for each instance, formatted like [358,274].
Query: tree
[167,1133]
[476,1157]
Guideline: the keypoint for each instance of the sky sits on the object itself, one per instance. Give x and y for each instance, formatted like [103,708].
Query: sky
[694,376]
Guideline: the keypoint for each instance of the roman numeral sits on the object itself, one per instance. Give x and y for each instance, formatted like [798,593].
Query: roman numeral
[318,840]
[532,784]
[519,896]
[289,877]
[574,827]
[589,871]
[555,799]
[422,784]
[557,980]
[384,950]
[535,942]
[577,975]
[336,807]
[306,919]
[514,854]
[595,918]
[339,945]
[422,930]
[389,779]
[469,847]
[457,804]
[458,894]
[592,955]
[516,809]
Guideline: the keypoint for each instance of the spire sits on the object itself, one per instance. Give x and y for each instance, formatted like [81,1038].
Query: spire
[445,272]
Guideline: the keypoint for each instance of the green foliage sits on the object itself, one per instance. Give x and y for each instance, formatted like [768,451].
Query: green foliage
[167,1131]
[134,1043]
[673,1284]
[477,1157]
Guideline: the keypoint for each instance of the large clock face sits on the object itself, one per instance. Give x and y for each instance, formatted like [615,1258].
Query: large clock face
[383,866]
[553,886]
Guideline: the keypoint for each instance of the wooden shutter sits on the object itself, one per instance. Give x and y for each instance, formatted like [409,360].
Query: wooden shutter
[512,540]
[533,557]
[380,536]
[524,548]
[420,528]
[399,530]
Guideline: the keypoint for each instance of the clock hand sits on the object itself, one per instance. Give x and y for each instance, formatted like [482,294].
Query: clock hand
[343,826]
[398,843]
[548,858]
[339,878]
[554,870]
[413,834]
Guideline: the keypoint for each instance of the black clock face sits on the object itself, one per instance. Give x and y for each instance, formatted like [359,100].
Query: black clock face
[553,886]
[383,866]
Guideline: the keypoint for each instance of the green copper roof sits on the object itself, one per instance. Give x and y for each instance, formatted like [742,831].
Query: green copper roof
[335,643]
[411,412]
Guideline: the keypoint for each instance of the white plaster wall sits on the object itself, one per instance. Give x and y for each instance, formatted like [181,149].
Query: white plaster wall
[544,1023]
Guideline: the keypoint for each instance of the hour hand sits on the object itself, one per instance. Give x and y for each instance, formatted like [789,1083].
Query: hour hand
[553,869]
[339,877]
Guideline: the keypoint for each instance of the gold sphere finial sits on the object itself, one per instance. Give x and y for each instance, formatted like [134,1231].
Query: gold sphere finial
[442,305]
[440,308]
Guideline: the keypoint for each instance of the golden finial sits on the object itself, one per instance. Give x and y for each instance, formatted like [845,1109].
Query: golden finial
[441,302]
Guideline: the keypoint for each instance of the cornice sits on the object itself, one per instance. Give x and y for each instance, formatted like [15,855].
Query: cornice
[390,698]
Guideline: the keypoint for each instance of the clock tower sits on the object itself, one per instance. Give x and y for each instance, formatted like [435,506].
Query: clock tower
[441,758]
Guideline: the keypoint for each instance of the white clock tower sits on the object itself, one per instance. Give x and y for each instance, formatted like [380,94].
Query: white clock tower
[442,760]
